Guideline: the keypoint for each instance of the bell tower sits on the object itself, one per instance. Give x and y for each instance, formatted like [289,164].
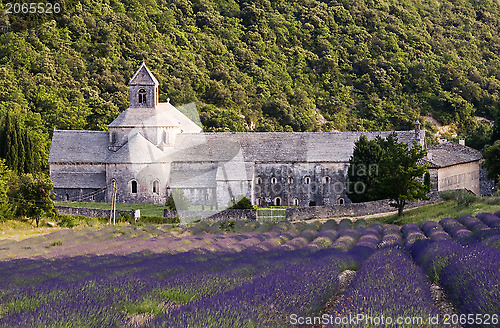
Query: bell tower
[143,89]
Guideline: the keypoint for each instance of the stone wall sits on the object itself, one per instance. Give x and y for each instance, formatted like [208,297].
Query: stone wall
[90,212]
[352,209]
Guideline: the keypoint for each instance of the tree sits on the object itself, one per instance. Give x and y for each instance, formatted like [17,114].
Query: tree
[400,173]
[491,156]
[363,168]
[243,204]
[387,169]
[34,196]
[6,209]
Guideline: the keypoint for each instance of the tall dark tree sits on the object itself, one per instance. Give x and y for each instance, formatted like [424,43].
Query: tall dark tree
[400,174]
[492,161]
[387,169]
[363,169]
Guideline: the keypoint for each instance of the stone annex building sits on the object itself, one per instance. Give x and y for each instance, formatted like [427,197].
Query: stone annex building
[152,148]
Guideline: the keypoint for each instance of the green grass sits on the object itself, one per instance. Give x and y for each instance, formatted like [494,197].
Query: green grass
[146,209]
[436,212]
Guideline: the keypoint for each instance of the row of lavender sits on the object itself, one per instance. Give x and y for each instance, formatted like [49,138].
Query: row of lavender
[223,236]
[263,284]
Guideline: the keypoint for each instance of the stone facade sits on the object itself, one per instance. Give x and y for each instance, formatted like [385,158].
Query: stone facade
[152,148]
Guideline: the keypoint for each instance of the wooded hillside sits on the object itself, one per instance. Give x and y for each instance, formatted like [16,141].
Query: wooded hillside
[262,65]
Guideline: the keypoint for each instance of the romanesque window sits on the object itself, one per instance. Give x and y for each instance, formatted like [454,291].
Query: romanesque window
[295,202]
[67,197]
[274,180]
[326,180]
[290,180]
[156,186]
[206,197]
[277,201]
[307,180]
[113,137]
[133,185]
[341,201]
[142,96]
[259,201]
[258,181]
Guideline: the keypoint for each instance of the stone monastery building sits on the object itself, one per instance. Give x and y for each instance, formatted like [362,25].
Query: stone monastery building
[152,148]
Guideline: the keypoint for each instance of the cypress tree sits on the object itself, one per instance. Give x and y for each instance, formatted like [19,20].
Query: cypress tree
[29,165]
[11,143]
[20,146]
[3,138]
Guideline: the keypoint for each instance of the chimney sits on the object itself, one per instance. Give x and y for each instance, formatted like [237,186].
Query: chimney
[461,141]
[417,131]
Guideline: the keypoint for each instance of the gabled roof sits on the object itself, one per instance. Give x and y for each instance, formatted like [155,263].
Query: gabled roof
[78,179]
[143,76]
[164,115]
[450,153]
[137,150]
[76,146]
[274,147]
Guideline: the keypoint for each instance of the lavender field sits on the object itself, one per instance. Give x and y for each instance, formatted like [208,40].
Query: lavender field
[251,274]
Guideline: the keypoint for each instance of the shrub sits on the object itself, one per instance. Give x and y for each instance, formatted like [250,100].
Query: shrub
[243,204]
[67,221]
[462,197]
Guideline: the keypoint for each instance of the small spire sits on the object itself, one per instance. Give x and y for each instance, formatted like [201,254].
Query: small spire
[168,100]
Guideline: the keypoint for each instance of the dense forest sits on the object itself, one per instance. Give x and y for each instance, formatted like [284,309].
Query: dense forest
[257,65]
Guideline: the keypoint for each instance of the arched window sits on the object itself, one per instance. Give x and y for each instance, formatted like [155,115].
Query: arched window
[259,201]
[277,201]
[307,180]
[156,186]
[113,137]
[206,197]
[295,202]
[290,180]
[274,180]
[326,180]
[133,184]
[142,96]
[258,181]
[67,197]
[341,201]
[164,137]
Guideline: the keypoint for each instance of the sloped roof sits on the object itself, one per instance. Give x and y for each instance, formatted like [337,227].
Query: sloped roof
[78,179]
[164,115]
[137,150]
[143,76]
[451,153]
[271,147]
[76,146]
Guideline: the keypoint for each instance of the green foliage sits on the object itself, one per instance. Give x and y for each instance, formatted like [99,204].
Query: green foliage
[491,156]
[462,197]
[243,204]
[56,243]
[19,144]
[177,201]
[67,221]
[6,177]
[363,170]
[249,65]
[34,196]
[387,169]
